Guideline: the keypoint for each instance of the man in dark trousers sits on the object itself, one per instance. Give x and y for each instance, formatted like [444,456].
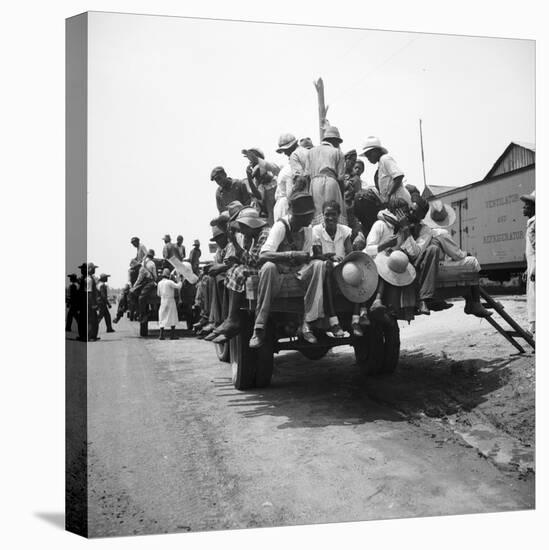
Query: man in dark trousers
[72,302]
[145,286]
[123,303]
[92,298]
[103,302]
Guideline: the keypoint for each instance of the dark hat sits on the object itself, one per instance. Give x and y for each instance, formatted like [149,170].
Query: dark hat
[196,242]
[221,220]
[215,171]
[302,204]
[179,237]
[73,277]
[134,239]
[166,237]
[82,266]
[103,276]
[92,265]
[216,233]
[150,253]
[351,153]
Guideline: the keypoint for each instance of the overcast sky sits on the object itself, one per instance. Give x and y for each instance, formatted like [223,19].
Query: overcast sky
[169,98]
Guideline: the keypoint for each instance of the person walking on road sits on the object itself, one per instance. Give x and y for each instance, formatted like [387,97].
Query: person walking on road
[529,210]
[167,313]
[72,302]
[103,302]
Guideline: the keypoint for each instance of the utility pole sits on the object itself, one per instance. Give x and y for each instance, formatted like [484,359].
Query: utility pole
[322,108]
[426,191]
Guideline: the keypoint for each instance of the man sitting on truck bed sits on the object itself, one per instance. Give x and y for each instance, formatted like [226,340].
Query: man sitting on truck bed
[288,251]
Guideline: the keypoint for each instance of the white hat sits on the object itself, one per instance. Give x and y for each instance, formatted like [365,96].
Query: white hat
[372,142]
[285,141]
[395,268]
[529,198]
[356,277]
[440,215]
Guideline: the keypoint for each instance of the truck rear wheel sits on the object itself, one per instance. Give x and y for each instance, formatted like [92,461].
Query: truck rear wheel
[378,351]
[315,353]
[223,352]
[243,359]
[265,359]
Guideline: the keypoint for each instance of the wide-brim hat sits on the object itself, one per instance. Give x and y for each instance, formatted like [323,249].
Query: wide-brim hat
[302,204]
[91,265]
[72,276]
[255,150]
[371,142]
[250,217]
[166,237]
[395,268]
[440,215]
[285,142]
[221,220]
[216,233]
[104,276]
[82,266]
[331,132]
[529,198]
[357,277]
[233,209]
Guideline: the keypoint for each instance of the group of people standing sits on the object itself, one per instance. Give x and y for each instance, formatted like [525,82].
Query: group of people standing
[316,220]
[88,302]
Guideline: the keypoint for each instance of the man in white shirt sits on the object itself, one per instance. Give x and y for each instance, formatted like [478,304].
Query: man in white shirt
[389,177]
[288,251]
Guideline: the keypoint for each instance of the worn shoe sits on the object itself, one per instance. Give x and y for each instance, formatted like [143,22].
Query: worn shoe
[112,330]
[308,336]
[477,309]
[438,305]
[357,330]
[258,339]
[337,331]
[422,308]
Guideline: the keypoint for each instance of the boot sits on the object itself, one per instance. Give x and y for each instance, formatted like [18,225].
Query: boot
[173,335]
[161,337]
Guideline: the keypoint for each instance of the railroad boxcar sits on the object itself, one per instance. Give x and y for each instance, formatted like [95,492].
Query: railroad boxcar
[490,224]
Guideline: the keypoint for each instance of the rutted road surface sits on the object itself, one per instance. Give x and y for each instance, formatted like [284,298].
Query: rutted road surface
[173,447]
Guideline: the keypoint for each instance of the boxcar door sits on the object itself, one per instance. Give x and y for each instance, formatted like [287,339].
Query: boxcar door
[459,230]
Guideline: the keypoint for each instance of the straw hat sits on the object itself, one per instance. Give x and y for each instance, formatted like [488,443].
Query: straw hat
[250,216]
[372,142]
[529,198]
[285,141]
[357,277]
[395,268]
[234,208]
[440,215]
[331,132]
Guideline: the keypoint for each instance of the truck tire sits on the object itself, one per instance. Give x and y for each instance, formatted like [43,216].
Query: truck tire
[265,359]
[391,336]
[243,359]
[223,352]
[315,353]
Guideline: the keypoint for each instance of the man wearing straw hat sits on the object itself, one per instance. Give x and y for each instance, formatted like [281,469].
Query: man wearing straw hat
[255,232]
[388,177]
[438,219]
[529,210]
[326,168]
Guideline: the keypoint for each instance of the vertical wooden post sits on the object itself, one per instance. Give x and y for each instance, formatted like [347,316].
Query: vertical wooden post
[322,108]
[422,155]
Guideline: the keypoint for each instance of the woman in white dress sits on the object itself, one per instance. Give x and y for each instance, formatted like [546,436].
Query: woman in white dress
[167,314]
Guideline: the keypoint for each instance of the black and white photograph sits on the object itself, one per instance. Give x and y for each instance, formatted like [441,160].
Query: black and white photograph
[300,274]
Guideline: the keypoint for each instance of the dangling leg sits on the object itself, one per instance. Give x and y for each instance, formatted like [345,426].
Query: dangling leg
[473,305]
[329,292]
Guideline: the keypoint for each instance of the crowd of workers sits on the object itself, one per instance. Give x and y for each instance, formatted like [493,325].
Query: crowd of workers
[378,244]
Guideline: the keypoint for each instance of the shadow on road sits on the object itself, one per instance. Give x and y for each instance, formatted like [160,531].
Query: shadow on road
[331,391]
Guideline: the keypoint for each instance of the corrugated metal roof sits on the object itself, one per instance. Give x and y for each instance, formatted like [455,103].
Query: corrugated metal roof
[517,155]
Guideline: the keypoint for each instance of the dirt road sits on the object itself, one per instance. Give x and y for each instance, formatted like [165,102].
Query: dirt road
[173,447]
